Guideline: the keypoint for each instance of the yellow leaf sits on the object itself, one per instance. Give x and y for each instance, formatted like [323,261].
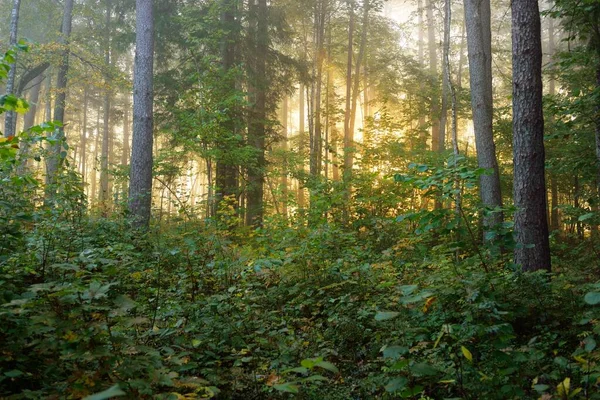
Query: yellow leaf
[466,353]
[428,304]
[563,388]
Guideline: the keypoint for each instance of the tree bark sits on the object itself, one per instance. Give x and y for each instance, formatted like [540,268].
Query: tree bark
[435,108]
[348,133]
[56,156]
[479,42]
[10,118]
[140,186]
[104,188]
[257,127]
[301,139]
[226,170]
[83,144]
[532,250]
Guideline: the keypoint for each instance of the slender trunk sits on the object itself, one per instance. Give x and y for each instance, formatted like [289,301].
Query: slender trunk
[316,150]
[10,117]
[104,189]
[301,139]
[479,41]
[126,137]
[284,176]
[461,56]
[421,52]
[532,251]
[94,175]
[348,133]
[29,121]
[140,186]
[56,156]
[554,217]
[452,91]
[441,144]
[82,166]
[359,61]
[435,108]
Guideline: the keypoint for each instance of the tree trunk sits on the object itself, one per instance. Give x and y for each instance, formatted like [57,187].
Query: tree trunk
[284,177]
[104,189]
[56,156]
[93,175]
[140,186]
[301,139]
[10,117]
[83,144]
[441,145]
[348,133]
[554,217]
[315,137]
[479,42]
[359,61]
[257,127]
[532,251]
[34,96]
[226,170]
[435,108]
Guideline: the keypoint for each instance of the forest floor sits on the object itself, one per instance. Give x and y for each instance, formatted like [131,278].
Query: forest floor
[191,311]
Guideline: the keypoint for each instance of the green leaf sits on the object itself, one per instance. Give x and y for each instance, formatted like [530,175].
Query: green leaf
[590,344]
[287,387]
[298,370]
[394,352]
[586,216]
[327,366]
[592,298]
[423,369]
[114,391]
[386,315]
[14,373]
[396,384]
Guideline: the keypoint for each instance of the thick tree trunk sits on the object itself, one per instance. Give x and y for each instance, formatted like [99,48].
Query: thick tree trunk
[421,54]
[140,186]
[257,127]
[10,118]
[532,250]
[56,156]
[479,42]
[226,170]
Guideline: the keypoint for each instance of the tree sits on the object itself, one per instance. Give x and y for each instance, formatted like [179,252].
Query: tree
[479,42]
[56,155]
[140,186]
[532,251]
[10,117]
[104,187]
[226,171]
[257,123]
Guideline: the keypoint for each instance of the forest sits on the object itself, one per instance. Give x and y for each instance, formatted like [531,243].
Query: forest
[299,199]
